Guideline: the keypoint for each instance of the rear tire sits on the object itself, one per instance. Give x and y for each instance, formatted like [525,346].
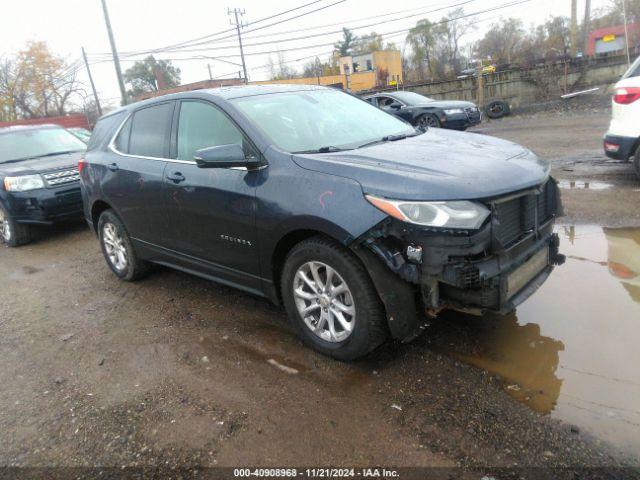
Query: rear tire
[12,233]
[118,250]
[636,162]
[345,318]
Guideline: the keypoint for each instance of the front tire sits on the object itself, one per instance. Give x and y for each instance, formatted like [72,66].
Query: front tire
[12,233]
[331,301]
[427,121]
[118,250]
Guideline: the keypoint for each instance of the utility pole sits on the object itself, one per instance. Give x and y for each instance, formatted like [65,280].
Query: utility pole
[587,20]
[209,68]
[626,31]
[114,52]
[480,86]
[574,28]
[93,87]
[238,24]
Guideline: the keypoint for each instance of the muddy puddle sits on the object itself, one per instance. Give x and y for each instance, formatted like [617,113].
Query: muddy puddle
[573,349]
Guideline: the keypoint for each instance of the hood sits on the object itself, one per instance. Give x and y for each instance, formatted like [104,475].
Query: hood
[445,104]
[41,165]
[437,165]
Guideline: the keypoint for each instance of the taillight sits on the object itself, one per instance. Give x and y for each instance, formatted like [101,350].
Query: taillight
[627,95]
[81,165]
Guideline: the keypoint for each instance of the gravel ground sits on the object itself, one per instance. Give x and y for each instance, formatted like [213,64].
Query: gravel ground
[178,372]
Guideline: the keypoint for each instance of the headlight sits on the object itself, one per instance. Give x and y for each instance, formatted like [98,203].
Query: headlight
[456,214]
[23,183]
[453,111]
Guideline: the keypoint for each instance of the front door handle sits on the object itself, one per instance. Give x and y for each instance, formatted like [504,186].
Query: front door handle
[113,167]
[176,177]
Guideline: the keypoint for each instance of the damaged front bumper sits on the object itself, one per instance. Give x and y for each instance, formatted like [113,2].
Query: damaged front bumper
[493,269]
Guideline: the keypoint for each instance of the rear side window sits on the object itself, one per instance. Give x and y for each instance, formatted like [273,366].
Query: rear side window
[202,125]
[122,142]
[104,130]
[150,131]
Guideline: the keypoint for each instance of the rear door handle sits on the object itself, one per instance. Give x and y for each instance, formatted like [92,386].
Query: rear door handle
[113,167]
[176,177]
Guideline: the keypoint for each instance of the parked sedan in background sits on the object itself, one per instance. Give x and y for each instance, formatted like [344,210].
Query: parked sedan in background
[423,112]
[39,181]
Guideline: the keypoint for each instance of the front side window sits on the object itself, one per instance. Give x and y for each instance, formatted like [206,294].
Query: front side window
[150,131]
[30,143]
[202,125]
[387,101]
[309,120]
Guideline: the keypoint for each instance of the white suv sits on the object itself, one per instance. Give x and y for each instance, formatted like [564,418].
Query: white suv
[623,138]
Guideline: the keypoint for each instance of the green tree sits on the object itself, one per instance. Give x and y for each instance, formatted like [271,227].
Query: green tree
[149,75]
[452,29]
[316,67]
[345,46]
[422,39]
[280,70]
[368,43]
[503,42]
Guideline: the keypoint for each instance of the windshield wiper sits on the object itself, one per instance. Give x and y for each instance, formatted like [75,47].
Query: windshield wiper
[327,149]
[15,160]
[388,138]
[53,154]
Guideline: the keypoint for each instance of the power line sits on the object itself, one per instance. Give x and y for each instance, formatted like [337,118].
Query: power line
[390,35]
[257,21]
[404,30]
[322,34]
[342,23]
[331,32]
[191,42]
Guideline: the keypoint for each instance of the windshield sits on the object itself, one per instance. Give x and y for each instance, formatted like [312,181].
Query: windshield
[32,143]
[412,98]
[634,70]
[311,120]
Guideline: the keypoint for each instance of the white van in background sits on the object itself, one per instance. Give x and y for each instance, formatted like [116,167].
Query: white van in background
[622,141]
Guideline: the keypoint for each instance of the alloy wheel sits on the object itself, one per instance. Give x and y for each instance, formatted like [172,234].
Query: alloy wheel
[114,246]
[427,121]
[5,227]
[324,301]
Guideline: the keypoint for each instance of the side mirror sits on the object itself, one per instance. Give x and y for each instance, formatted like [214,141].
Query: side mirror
[395,105]
[224,156]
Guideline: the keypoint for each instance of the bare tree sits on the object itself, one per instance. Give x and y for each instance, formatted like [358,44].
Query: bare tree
[36,83]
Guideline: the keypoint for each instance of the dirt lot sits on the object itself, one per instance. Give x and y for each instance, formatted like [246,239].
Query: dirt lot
[175,371]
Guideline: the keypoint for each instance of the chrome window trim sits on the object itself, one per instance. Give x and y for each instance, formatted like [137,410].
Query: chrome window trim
[113,148]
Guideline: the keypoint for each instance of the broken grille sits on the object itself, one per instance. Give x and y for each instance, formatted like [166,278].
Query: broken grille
[514,218]
[62,177]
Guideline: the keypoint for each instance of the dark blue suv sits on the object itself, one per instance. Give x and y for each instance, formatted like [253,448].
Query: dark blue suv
[361,225]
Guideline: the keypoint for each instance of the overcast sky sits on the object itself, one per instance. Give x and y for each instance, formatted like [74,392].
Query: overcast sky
[66,25]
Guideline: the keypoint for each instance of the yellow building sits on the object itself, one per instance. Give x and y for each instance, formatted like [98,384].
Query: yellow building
[358,72]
